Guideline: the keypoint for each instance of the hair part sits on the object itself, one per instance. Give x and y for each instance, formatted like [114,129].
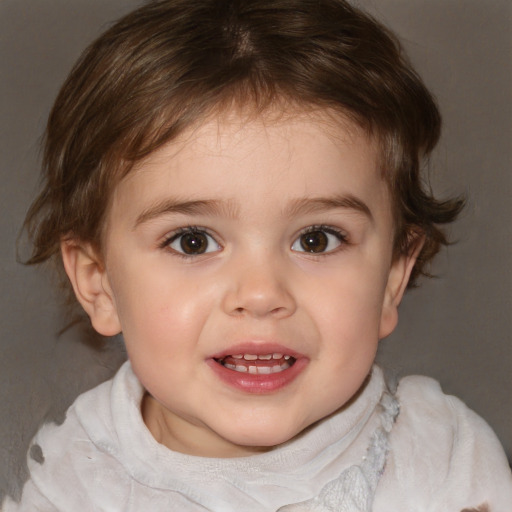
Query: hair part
[172,63]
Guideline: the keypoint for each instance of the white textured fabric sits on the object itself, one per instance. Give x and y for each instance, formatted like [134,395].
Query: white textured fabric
[441,457]
[354,489]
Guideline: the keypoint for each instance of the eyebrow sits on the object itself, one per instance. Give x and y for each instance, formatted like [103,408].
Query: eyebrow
[208,207]
[321,204]
[212,207]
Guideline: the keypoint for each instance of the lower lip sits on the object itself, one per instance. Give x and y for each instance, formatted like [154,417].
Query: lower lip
[258,384]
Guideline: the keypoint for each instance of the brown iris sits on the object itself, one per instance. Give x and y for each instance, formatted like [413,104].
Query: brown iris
[194,243]
[314,241]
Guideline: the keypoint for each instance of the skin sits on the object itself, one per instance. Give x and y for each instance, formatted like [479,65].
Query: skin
[251,187]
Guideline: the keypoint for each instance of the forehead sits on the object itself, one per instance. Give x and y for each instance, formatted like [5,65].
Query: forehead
[245,133]
[236,156]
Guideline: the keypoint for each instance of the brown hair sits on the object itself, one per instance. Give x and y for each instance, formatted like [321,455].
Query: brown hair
[173,62]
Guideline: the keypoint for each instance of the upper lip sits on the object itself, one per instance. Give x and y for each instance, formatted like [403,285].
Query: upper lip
[256,348]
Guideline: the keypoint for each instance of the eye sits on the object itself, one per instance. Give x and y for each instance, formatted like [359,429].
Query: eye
[192,242]
[319,240]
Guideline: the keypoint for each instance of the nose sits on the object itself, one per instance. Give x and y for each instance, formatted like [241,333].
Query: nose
[259,289]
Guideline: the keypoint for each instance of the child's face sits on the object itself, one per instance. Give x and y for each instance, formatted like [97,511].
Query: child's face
[269,240]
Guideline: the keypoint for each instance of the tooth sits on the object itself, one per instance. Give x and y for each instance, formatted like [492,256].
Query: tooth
[287,357]
[253,369]
[241,368]
[250,357]
[276,369]
[277,356]
[265,369]
[230,366]
[284,366]
[266,357]
[238,356]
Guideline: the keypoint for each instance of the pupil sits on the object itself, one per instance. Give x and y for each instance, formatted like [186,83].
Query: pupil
[193,243]
[316,241]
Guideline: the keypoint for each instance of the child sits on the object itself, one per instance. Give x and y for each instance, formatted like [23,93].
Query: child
[235,186]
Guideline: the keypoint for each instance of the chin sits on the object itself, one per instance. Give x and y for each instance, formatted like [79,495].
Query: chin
[263,440]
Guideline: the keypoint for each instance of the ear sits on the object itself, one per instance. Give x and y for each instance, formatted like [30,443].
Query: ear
[91,286]
[398,278]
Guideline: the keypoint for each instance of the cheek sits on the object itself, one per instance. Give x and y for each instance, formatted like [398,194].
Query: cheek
[155,308]
[350,297]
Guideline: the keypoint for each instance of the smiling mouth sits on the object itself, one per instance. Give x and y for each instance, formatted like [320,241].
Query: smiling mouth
[263,364]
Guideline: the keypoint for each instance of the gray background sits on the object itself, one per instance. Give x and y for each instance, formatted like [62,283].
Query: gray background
[457,328]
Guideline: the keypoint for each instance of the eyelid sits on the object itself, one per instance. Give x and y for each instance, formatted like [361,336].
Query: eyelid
[175,234]
[340,234]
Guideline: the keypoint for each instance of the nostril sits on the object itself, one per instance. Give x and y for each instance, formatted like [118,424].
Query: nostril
[257,297]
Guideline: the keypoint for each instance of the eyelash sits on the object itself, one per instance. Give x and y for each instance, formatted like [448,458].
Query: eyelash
[175,235]
[321,228]
[341,237]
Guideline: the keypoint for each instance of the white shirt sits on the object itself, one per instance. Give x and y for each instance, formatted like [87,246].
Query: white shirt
[440,457]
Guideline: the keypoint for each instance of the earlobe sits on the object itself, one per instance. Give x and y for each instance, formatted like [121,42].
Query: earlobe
[398,279]
[91,286]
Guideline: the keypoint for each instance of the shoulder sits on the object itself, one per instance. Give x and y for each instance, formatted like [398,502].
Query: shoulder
[443,454]
[66,456]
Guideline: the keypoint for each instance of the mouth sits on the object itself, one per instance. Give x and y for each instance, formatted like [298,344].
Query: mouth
[257,364]
[258,368]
